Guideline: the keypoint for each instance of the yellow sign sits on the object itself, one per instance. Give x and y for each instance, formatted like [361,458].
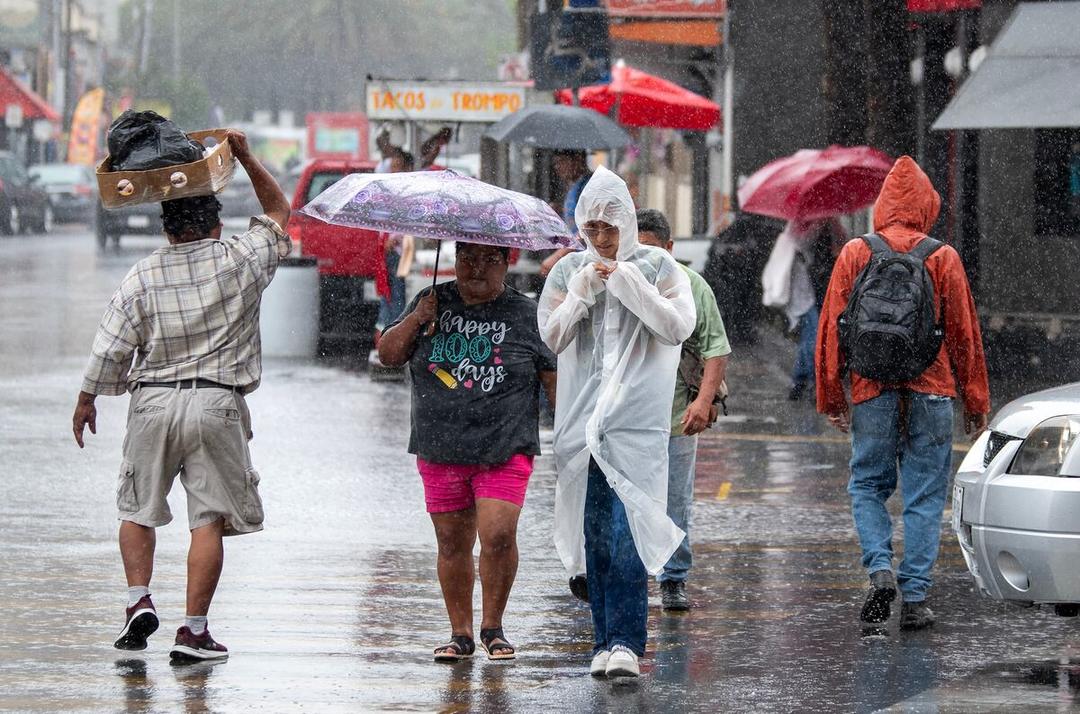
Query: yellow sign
[85,127]
[443,101]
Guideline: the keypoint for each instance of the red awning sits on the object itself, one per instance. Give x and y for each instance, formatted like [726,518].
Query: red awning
[12,91]
[641,99]
[942,5]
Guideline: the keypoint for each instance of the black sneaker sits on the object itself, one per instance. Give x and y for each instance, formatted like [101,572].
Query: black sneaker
[579,586]
[916,616]
[140,623]
[190,647]
[673,595]
[882,592]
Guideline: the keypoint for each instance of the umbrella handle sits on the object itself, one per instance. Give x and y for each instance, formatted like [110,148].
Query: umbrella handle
[434,278]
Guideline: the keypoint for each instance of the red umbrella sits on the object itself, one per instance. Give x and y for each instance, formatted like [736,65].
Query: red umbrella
[816,183]
[942,5]
[641,99]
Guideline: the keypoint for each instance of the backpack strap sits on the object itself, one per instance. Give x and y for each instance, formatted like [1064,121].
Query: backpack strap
[876,244]
[925,248]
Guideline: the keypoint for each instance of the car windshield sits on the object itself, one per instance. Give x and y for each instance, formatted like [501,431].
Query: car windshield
[59,173]
[320,181]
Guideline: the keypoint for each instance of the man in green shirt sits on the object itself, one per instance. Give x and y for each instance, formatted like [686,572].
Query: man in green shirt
[690,415]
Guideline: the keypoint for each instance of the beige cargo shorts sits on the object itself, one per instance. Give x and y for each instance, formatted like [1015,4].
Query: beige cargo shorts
[199,434]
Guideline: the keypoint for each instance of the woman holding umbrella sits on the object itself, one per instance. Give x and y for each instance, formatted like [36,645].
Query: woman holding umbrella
[477,363]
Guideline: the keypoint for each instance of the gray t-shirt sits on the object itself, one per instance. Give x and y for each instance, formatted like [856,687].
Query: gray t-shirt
[475,382]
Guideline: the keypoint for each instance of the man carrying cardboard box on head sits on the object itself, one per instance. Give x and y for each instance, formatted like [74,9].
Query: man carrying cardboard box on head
[188,315]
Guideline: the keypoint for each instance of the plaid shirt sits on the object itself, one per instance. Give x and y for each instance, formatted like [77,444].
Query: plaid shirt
[189,311]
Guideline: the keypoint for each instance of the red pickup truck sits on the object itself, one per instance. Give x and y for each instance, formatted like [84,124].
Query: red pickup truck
[352,267]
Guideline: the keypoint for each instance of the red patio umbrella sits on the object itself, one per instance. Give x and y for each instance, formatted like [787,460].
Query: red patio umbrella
[942,5]
[636,98]
[816,183]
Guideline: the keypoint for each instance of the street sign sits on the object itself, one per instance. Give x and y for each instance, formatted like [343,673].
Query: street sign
[337,135]
[43,130]
[667,8]
[13,116]
[442,101]
[570,49]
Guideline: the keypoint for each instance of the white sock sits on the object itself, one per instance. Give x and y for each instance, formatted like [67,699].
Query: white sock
[137,593]
[195,623]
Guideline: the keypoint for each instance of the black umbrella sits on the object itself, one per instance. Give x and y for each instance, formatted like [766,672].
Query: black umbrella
[554,126]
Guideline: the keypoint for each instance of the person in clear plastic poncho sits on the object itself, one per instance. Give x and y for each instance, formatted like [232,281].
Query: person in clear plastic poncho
[615,314]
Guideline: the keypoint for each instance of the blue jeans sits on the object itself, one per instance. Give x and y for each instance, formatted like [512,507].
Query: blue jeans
[921,454]
[618,581]
[803,371]
[682,457]
[391,308]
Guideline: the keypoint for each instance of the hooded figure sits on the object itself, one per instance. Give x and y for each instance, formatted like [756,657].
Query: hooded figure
[901,434]
[905,210]
[618,345]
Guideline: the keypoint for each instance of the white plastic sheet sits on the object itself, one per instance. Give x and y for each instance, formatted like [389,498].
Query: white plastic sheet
[618,345]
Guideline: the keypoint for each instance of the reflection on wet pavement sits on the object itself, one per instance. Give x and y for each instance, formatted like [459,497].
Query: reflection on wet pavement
[335,607]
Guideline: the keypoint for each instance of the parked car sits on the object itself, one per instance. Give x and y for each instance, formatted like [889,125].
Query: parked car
[238,198]
[1016,502]
[113,223]
[349,259]
[72,190]
[24,204]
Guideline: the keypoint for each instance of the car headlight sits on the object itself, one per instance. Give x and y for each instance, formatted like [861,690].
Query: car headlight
[1044,450]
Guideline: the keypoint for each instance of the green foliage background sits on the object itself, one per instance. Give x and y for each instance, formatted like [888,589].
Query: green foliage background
[246,55]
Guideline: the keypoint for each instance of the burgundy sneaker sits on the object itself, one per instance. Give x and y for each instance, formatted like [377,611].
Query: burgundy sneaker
[142,621]
[190,647]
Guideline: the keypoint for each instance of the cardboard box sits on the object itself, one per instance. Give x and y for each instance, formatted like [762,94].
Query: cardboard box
[208,175]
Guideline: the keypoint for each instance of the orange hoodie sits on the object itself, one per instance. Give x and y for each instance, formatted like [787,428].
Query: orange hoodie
[906,208]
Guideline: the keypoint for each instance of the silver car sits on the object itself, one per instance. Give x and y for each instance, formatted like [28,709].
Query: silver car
[1016,502]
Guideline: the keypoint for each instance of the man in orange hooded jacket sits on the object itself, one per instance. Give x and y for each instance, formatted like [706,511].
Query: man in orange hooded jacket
[903,429]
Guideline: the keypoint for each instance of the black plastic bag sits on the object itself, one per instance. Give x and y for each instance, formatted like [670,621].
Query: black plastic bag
[139,141]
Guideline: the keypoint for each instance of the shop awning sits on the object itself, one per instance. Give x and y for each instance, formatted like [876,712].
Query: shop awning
[1029,77]
[12,91]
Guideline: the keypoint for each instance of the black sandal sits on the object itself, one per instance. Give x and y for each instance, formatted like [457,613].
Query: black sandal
[458,648]
[496,649]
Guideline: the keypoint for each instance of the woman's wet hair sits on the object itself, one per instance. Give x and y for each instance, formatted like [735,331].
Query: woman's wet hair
[198,215]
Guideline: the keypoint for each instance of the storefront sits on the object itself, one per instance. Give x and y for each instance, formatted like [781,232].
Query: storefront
[678,172]
[1024,101]
[29,122]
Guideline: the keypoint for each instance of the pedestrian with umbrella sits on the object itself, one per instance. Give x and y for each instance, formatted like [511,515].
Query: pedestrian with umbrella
[570,132]
[477,364]
[809,189]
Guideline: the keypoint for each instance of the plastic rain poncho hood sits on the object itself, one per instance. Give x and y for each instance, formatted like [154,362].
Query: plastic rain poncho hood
[618,346]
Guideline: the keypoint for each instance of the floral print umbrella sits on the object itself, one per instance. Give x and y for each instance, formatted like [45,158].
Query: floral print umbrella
[444,205]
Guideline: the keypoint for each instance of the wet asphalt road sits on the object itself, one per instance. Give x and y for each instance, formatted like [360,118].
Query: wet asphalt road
[335,606]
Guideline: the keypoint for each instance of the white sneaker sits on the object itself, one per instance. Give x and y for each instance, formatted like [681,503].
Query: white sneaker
[622,662]
[598,668]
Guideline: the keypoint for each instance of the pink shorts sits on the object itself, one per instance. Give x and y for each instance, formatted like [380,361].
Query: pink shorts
[455,487]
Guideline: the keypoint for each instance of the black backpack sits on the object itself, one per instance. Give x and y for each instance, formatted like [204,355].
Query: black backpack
[889,331]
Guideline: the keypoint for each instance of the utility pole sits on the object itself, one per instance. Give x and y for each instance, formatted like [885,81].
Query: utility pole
[69,65]
[145,37]
[58,64]
[727,180]
[176,40]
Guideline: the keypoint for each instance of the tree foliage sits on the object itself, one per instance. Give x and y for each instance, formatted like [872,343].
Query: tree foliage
[313,55]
